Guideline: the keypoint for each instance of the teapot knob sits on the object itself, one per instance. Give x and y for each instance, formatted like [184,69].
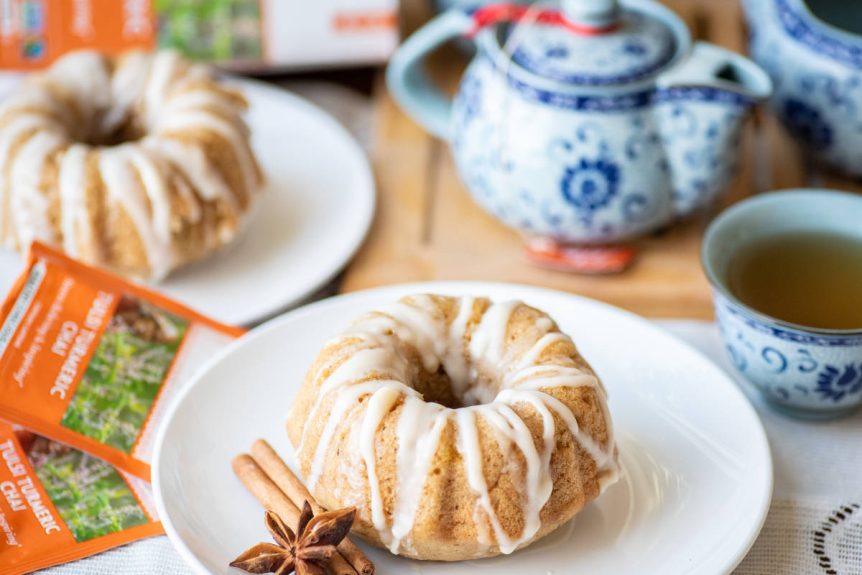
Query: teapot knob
[591,13]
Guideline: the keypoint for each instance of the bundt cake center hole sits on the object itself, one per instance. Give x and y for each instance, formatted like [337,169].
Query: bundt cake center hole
[122,135]
[440,388]
[109,133]
[437,388]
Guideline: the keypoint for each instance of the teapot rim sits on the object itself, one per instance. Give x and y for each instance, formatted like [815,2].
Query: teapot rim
[488,43]
[799,23]
[803,8]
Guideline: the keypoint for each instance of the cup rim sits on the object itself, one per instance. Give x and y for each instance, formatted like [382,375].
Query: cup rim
[769,197]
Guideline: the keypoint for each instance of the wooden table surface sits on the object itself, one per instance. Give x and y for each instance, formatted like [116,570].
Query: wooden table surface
[428,228]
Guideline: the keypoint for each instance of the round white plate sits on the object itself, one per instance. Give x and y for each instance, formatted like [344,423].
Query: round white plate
[698,473]
[312,217]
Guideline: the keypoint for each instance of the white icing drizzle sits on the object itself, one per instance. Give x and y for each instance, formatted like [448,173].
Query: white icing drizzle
[194,165]
[165,66]
[12,132]
[74,221]
[158,197]
[85,76]
[540,346]
[197,99]
[470,449]
[511,429]
[536,377]
[487,341]
[455,361]
[32,99]
[346,399]
[358,366]
[368,364]
[11,135]
[117,168]
[127,84]
[419,428]
[601,456]
[412,326]
[186,194]
[142,178]
[29,203]
[378,407]
[203,120]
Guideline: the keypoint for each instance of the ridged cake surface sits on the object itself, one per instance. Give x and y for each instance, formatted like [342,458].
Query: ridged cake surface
[459,428]
[138,163]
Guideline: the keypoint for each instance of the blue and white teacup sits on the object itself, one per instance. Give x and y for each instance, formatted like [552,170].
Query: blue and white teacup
[806,372]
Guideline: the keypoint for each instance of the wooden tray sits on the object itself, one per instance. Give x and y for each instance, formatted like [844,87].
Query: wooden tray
[428,228]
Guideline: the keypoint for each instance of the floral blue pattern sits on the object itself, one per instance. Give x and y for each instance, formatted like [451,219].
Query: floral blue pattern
[558,51]
[806,123]
[470,98]
[811,373]
[836,383]
[567,176]
[628,101]
[590,184]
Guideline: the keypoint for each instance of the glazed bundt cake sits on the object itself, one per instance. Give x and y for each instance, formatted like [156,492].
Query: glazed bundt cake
[138,163]
[459,428]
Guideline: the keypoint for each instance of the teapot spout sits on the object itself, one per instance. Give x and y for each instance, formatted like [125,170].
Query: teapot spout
[710,66]
[701,107]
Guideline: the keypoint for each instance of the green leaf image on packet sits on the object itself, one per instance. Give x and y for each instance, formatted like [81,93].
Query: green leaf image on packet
[59,504]
[125,374]
[91,360]
[92,497]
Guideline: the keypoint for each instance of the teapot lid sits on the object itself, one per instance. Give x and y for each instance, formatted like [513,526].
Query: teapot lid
[588,42]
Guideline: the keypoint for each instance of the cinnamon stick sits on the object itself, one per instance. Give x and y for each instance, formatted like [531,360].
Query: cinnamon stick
[275,467]
[271,497]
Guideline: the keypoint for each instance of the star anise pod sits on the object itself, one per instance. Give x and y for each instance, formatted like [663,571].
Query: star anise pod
[305,551]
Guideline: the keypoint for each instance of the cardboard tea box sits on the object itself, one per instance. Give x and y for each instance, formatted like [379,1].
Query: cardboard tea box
[253,35]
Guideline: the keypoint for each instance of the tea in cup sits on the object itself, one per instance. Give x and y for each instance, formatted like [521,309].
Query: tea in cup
[786,272]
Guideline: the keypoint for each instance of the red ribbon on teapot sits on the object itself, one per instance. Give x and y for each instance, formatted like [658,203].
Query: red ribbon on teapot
[496,13]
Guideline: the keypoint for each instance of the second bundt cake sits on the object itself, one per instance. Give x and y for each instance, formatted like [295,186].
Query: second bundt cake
[138,163]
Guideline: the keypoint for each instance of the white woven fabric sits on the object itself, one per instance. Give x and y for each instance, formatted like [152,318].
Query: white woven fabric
[154,556]
[814,526]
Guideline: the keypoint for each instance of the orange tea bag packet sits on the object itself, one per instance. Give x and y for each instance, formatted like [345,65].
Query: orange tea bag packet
[58,504]
[91,360]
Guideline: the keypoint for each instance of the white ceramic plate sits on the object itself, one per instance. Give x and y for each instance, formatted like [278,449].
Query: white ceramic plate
[315,211]
[698,473]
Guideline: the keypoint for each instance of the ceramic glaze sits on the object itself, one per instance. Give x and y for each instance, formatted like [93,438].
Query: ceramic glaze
[807,372]
[809,375]
[468,5]
[817,71]
[581,125]
[639,47]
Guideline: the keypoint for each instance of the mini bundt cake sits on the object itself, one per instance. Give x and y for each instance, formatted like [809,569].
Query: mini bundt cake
[138,163]
[459,428]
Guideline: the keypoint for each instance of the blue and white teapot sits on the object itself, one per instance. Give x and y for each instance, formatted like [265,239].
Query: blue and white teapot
[591,122]
[812,49]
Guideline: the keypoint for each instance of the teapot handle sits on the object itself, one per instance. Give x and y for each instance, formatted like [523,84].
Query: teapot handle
[409,84]
[713,66]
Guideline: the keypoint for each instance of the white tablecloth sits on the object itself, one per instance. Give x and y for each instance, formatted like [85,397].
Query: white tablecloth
[814,526]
